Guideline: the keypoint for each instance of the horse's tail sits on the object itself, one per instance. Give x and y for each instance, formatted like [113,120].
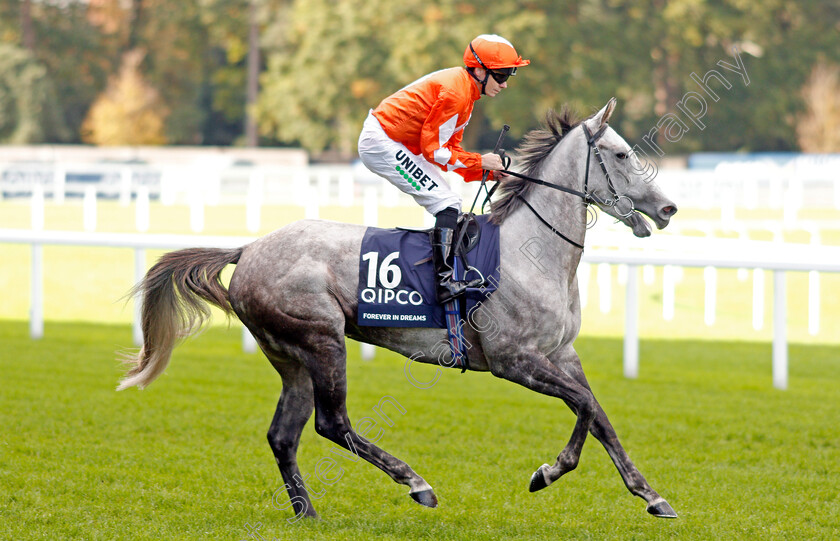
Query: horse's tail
[173,292]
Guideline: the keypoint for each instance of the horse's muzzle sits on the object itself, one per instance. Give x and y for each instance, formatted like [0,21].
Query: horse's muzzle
[663,214]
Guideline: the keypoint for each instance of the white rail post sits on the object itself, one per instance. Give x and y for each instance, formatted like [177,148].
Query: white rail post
[36,302]
[311,206]
[141,209]
[370,206]
[346,187]
[196,206]
[583,273]
[125,186]
[89,208]
[249,344]
[36,208]
[814,288]
[253,200]
[727,211]
[813,303]
[751,192]
[669,280]
[391,198]
[710,279]
[168,185]
[604,281]
[60,182]
[139,272]
[758,299]
[36,309]
[323,193]
[631,324]
[780,353]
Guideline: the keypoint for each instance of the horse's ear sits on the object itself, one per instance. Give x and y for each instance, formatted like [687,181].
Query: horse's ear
[604,114]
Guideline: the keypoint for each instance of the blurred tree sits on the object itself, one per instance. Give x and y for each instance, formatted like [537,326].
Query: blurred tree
[78,73]
[134,24]
[197,53]
[130,112]
[326,63]
[29,110]
[176,42]
[27,30]
[792,36]
[329,63]
[818,128]
[252,76]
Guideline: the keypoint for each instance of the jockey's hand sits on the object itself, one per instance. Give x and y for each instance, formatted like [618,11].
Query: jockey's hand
[500,175]
[491,162]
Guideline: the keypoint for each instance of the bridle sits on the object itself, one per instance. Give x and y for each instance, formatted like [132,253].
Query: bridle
[587,196]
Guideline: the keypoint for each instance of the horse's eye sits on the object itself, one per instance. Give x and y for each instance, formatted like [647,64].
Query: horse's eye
[621,155]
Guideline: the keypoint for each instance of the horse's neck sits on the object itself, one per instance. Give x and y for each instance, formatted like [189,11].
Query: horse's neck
[565,212]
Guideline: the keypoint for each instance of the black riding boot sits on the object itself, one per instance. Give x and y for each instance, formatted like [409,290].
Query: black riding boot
[443,259]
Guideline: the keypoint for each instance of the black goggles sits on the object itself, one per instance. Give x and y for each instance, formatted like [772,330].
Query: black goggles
[502,75]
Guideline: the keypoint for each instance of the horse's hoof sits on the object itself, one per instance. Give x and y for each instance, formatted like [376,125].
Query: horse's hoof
[425,497]
[661,509]
[538,480]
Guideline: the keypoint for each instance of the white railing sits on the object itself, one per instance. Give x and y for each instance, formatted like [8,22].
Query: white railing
[750,256]
[805,182]
[668,252]
[139,242]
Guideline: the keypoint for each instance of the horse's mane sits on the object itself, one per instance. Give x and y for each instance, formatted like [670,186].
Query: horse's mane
[536,146]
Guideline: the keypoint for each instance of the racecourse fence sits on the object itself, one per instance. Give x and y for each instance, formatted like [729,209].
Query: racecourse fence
[716,184]
[669,252]
[792,183]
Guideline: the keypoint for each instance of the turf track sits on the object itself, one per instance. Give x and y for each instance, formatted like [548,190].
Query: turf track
[187,458]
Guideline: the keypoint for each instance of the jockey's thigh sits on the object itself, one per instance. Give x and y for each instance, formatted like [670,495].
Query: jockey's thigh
[409,172]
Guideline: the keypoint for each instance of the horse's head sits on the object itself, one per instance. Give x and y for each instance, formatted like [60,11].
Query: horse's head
[628,186]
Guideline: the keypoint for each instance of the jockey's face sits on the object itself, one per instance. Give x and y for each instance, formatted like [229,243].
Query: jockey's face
[492,88]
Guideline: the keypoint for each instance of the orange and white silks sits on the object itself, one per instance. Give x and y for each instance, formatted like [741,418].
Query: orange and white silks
[429,116]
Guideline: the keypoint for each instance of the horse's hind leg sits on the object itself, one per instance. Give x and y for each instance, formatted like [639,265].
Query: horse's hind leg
[332,422]
[293,411]
[604,432]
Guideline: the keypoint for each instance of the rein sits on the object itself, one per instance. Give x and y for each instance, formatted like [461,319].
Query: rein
[588,198]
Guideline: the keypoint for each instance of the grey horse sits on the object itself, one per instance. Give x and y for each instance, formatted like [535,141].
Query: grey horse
[295,290]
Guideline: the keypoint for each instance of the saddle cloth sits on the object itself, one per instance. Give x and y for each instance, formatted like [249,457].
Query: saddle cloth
[397,278]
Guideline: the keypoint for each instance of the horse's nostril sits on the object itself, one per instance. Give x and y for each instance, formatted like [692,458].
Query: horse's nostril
[669,210]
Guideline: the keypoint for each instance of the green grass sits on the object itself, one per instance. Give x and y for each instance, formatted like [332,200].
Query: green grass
[187,458]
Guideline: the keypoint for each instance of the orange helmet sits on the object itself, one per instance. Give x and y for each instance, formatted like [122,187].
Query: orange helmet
[491,52]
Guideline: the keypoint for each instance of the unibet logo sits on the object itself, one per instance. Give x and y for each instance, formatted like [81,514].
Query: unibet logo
[408,177]
[413,173]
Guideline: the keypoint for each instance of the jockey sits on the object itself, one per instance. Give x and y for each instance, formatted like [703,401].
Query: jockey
[415,134]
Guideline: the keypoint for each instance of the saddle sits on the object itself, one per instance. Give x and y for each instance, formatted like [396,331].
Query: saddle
[467,233]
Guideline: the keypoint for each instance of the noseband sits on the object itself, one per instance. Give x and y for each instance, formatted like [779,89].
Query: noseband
[587,196]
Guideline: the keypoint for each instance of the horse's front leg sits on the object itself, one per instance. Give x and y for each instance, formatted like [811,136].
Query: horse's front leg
[604,432]
[534,371]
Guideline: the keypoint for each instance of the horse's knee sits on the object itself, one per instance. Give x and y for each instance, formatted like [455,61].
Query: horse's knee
[331,428]
[283,447]
[587,408]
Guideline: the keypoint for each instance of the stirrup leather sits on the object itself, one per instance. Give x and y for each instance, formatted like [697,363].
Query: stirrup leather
[443,257]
